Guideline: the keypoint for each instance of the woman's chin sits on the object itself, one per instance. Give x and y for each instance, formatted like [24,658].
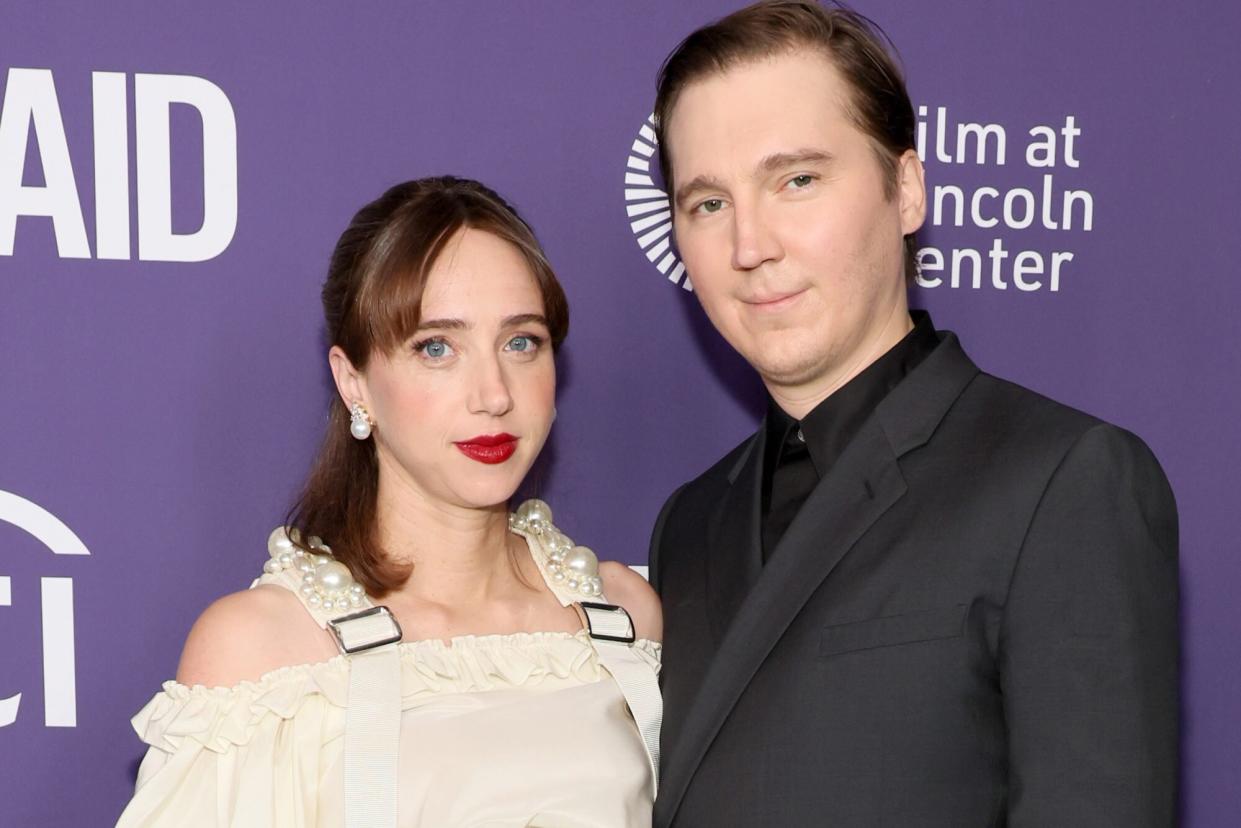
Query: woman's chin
[488,494]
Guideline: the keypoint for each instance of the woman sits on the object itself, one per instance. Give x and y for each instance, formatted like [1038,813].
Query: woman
[496,688]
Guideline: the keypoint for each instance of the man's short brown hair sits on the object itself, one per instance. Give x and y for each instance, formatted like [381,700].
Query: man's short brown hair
[858,48]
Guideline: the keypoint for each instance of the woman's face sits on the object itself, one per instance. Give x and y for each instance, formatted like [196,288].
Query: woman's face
[464,407]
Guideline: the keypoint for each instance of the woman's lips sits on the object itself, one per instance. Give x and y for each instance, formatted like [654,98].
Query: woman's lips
[488,448]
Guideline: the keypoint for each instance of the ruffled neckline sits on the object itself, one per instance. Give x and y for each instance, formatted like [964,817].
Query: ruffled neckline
[218,717]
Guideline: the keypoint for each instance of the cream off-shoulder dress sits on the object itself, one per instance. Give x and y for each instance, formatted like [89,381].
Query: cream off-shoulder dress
[529,729]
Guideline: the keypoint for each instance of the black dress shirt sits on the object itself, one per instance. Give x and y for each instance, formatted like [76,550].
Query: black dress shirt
[797,454]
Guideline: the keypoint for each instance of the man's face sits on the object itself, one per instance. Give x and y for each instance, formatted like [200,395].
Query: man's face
[794,249]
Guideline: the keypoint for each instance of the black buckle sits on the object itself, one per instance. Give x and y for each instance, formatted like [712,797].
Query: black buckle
[613,608]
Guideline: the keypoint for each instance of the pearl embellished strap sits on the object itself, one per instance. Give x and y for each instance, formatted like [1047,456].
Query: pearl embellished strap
[324,584]
[571,571]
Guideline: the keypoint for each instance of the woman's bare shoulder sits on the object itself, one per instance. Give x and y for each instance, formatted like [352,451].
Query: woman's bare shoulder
[628,589]
[242,636]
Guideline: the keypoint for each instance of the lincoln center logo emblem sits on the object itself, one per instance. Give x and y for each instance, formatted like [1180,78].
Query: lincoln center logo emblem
[650,213]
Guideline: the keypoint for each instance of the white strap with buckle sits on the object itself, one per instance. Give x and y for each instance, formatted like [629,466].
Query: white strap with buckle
[612,631]
[373,720]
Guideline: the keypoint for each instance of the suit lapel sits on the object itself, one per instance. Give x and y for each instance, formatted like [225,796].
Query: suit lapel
[733,539]
[863,485]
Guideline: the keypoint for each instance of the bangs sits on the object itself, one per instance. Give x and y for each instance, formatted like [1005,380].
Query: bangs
[389,304]
[391,248]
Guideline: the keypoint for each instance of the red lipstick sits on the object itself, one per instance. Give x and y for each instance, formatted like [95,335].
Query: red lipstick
[488,448]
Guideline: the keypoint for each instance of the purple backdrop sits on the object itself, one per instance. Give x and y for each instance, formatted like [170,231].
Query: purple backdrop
[162,412]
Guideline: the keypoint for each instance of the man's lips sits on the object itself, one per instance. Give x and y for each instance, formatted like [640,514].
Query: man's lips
[773,301]
[488,448]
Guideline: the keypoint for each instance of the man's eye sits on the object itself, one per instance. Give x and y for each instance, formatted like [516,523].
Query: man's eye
[711,205]
[799,182]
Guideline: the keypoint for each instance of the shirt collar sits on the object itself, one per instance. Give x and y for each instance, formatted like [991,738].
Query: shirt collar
[829,426]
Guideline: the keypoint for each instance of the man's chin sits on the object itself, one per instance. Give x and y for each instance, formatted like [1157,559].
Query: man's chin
[787,373]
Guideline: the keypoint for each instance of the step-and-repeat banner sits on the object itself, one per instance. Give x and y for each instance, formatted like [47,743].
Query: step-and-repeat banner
[173,177]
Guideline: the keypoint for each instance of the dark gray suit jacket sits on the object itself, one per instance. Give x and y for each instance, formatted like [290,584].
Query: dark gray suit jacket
[971,622]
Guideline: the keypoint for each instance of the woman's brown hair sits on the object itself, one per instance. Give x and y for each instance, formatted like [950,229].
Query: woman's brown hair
[372,301]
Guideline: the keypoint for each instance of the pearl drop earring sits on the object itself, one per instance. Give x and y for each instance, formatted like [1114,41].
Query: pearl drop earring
[360,424]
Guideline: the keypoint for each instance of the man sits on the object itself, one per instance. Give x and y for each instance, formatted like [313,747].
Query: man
[919,595]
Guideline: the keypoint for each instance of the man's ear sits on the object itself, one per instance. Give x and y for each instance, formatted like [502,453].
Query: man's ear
[350,382]
[911,191]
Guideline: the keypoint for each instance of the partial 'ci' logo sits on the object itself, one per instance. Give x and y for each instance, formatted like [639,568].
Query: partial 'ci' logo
[60,706]
[648,207]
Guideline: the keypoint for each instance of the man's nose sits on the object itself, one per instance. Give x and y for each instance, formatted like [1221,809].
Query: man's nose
[753,240]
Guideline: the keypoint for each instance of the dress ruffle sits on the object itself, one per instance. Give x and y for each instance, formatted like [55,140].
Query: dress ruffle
[221,717]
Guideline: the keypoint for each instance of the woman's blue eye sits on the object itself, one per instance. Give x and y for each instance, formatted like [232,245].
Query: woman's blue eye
[433,348]
[523,343]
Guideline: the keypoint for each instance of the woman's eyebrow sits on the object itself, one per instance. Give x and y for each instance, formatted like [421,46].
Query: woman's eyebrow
[525,319]
[442,324]
[461,324]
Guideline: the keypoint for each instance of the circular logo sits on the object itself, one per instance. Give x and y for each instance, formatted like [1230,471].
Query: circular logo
[648,207]
[60,706]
